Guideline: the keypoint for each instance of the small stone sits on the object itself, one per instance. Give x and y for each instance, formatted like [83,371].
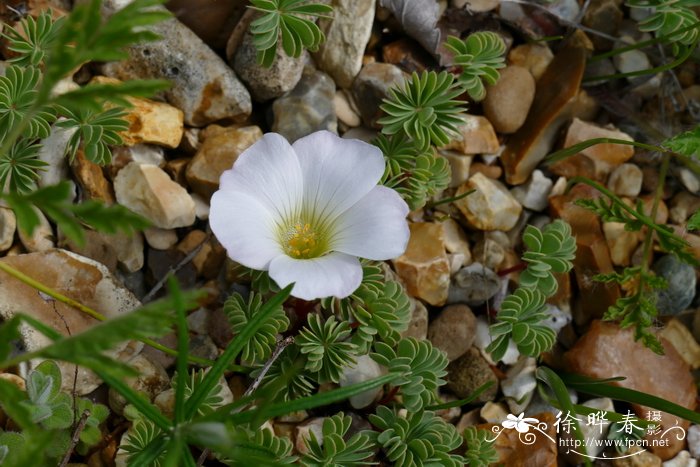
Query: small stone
[489,252]
[110,249]
[474,285]
[201,207]
[91,179]
[151,381]
[491,206]
[211,20]
[476,6]
[512,451]
[347,35]
[631,61]
[8,225]
[203,347]
[141,153]
[79,278]
[600,159]
[52,151]
[621,242]
[265,83]
[689,180]
[424,267]
[459,166]
[203,86]
[626,180]
[494,412]
[453,331]
[219,150]
[637,457]
[303,433]
[682,206]
[589,431]
[519,385]
[371,86]
[693,438]
[149,121]
[210,256]
[42,238]
[160,239]
[147,190]
[177,168]
[681,285]
[508,102]
[476,136]
[404,54]
[344,111]
[534,194]
[493,172]
[683,341]
[607,351]
[160,263]
[682,459]
[604,16]
[364,369]
[418,325]
[469,372]
[306,108]
[557,98]
[534,57]
[455,238]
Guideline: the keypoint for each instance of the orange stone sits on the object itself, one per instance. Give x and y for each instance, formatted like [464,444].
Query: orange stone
[513,452]
[606,351]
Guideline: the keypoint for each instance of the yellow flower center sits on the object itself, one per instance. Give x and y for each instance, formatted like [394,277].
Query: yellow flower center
[301,241]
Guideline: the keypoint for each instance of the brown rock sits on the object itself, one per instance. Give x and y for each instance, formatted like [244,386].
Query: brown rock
[491,171]
[621,242]
[605,157]
[490,206]
[8,225]
[592,253]
[91,179]
[534,57]
[607,351]
[453,331]
[211,20]
[150,121]
[514,453]
[79,278]
[476,136]
[508,102]
[220,149]
[638,457]
[210,256]
[424,267]
[459,166]
[467,373]
[556,99]
[177,168]
[371,86]
[406,54]
[418,326]
[683,341]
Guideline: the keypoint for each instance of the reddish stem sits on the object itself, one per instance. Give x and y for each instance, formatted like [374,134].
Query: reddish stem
[517,268]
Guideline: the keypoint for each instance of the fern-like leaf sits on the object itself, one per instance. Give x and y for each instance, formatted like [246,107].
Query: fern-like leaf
[550,250]
[686,143]
[334,450]
[419,438]
[419,368]
[425,109]
[326,347]
[287,375]
[238,312]
[290,20]
[480,55]
[414,173]
[521,318]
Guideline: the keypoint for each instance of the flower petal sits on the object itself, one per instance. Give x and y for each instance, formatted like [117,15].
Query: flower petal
[375,227]
[333,275]
[245,228]
[337,172]
[269,171]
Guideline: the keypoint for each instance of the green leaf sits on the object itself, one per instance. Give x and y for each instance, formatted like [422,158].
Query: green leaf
[687,143]
[94,132]
[334,450]
[480,55]
[239,313]
[549,251]
[18,96]
[35,39]
[418,367]
[326,347]
[668,17]
[694,221]
[480,447]
[425,109]
[20,166]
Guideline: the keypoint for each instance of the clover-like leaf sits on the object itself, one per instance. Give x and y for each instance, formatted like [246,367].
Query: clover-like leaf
[521,318]
[549,251]
[480,449]
[480,55]
[326,347]
[418,438]
[419,368]
[334,450]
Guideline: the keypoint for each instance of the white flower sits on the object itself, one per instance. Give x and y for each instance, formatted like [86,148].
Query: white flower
[520,423]
[306,212]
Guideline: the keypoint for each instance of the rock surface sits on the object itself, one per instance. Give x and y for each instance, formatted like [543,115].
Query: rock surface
[372,85]
[508,102]
[203,86]
[681,280]
[424,267]
[467,373]
[513,452]
[476,136]
[79,278]
[453,330]
[147,190]
[364,369]
[606,351]
[491,206]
